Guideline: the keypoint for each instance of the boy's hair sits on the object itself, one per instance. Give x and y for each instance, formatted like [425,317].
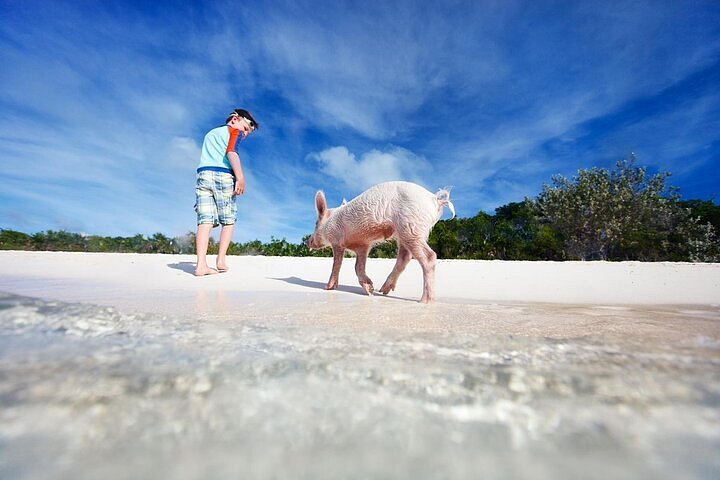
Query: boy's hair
[243,113]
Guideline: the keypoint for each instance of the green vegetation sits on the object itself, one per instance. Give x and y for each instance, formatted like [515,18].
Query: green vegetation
[158,243]
[600,214]
[626,214]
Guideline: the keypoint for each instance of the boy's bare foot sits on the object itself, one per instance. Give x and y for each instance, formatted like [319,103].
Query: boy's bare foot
[221,267]
[202,271]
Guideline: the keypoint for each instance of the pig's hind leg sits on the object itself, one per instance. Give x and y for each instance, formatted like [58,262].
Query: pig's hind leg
[361,260]
[427,258]
[338,253]
[403,258]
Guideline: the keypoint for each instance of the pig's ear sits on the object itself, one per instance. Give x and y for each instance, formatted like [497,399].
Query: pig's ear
[320,204]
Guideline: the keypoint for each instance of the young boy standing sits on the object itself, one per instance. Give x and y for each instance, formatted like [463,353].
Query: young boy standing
[219,179]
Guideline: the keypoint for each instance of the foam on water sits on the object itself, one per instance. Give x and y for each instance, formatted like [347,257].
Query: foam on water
[90,392]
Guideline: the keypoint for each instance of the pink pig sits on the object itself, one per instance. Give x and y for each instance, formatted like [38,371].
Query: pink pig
[401,210]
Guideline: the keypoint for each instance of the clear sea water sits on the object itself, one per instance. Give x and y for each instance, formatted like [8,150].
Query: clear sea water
[90,392]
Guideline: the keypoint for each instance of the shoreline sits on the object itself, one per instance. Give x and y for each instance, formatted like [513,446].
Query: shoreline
[618,302]
[457,281]
[135,368]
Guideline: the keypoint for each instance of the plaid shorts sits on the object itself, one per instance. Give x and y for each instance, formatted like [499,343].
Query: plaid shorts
[214,198]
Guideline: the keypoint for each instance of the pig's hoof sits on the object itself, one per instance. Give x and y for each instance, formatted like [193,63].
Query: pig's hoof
[331,286]
[387,288]
[368,287]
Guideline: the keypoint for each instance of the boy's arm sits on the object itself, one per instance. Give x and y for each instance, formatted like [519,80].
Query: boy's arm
[234,159]
[238,171]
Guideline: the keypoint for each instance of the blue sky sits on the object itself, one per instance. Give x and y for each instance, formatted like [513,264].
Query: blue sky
[104,105]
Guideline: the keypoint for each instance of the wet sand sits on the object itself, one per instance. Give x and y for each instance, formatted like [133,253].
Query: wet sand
[127,366]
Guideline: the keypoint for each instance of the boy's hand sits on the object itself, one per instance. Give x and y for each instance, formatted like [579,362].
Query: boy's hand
[239,186]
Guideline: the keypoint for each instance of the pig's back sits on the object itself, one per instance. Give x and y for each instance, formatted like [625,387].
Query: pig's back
[397,203]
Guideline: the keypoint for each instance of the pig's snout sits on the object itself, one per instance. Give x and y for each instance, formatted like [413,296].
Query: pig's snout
[311,242]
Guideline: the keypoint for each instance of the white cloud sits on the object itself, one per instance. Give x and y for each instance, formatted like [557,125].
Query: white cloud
[183,151]
[373,167]
[368,69]
[110,104]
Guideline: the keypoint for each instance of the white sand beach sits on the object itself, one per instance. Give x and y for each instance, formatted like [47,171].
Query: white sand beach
[263,286]
[137,277]
[128,366]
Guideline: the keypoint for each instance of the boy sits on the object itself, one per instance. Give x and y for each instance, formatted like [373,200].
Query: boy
[219,179]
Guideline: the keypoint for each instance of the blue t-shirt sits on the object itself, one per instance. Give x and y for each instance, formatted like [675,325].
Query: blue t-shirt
[217,144]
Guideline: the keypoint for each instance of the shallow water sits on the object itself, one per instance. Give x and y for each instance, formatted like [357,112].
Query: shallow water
[440,392]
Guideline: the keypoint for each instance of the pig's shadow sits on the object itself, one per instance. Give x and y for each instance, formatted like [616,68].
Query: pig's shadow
[321,286]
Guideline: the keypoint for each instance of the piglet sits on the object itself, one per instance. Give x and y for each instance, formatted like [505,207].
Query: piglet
[401,210]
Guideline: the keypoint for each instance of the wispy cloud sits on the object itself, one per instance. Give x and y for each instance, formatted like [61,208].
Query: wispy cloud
[349,66]
[105,105]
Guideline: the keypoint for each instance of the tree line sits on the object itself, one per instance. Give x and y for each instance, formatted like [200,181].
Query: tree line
[158,243]
[616,214]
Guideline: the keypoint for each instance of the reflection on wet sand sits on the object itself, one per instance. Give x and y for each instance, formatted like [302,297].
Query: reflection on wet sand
[332,386]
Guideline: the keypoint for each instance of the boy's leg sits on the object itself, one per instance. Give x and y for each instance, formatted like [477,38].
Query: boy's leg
[201,243]
[207,217]
[227,216]
[225,237]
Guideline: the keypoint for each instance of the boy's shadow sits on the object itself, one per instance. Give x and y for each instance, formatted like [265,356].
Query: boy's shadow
[341,288]
[187,267]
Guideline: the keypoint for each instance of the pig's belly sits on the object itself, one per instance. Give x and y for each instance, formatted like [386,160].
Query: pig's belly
[369,235]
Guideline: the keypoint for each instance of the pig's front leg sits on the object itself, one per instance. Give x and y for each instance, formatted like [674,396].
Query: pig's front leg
[365,282]
[338,253]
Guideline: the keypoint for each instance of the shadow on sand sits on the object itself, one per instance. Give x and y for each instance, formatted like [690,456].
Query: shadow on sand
[187,267]
[320,285]
[341,288]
